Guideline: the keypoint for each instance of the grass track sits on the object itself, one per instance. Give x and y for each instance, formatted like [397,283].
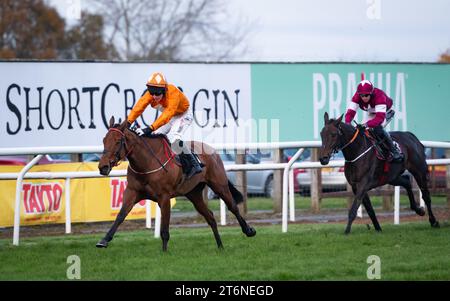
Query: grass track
[410,251]
[303,203]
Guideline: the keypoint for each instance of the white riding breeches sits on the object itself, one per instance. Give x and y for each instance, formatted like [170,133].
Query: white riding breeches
[176,126]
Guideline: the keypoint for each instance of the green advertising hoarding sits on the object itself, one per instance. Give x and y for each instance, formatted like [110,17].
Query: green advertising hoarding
[297,95]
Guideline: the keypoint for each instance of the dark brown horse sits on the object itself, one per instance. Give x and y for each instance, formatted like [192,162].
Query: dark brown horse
[364,170]
[153,174]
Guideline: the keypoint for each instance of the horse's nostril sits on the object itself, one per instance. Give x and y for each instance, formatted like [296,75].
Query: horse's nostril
[104,170]
[323,160]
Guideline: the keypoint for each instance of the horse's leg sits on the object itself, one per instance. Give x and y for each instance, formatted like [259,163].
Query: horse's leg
[419,172]
[368,205]
[196,197]
[369,209]
[405,182]
[359,192]
[223,191]
[130,197]
[164,205]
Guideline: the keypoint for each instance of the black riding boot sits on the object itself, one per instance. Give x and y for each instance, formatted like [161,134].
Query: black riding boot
[191,166]
[384,135]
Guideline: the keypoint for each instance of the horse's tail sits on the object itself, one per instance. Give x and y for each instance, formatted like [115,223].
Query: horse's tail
[427,175]
[237,195]
[420,144]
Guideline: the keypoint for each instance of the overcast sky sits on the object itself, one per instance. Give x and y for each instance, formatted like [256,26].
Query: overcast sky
[339,30]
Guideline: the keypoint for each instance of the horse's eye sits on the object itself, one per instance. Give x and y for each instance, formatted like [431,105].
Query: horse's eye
[333,135]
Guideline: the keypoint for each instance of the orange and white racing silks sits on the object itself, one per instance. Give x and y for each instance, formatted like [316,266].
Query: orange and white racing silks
[172,104]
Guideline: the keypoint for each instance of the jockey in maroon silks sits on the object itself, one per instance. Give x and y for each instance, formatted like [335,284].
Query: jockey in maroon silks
[377,104]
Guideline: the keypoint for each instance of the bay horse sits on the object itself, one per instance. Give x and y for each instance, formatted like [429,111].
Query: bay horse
[153,174]
[364,170]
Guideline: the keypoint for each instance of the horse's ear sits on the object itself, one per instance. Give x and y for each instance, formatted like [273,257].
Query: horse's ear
[123,125]
[111,122]
[339,120]
[325,117]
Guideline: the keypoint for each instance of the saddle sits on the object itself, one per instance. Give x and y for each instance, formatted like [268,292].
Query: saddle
[382,152]
[185,164]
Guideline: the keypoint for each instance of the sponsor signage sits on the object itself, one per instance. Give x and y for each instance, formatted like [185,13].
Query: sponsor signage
[43,201]
[70,104]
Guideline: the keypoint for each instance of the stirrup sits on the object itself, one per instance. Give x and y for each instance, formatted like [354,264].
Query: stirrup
[398,158]
[194,171]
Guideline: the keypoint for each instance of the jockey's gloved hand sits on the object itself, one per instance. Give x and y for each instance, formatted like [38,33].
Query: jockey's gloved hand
[362,127]
[143,132]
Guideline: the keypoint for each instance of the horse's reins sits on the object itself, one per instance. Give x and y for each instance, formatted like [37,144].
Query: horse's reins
[153,154]
[350,142]
[163,165]
[123,143]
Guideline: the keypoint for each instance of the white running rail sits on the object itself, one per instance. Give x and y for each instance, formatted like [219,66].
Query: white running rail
[287,167]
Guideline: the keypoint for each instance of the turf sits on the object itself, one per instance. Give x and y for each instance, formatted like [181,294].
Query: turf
[410,251]
[304,203]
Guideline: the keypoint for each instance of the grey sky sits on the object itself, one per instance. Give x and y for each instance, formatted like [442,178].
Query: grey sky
[340,30]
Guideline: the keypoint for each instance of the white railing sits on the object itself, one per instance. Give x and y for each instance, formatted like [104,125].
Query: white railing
[288,189]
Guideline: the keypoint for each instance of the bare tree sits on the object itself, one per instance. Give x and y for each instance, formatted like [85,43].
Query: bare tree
[172,30]
[85,40]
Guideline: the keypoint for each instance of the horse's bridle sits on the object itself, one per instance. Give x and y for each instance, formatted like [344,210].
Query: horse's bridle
[123,144]
[339,148]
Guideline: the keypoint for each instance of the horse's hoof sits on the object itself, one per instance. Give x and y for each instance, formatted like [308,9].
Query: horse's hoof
[250,232]
[421,211]
[435,224]
[102,244]
[378,230]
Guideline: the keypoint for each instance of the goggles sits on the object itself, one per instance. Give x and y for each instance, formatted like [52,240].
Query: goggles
[156,91]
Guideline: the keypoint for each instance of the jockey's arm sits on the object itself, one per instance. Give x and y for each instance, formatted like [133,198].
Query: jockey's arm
[380,115]
[380,111]
[166,115]
[349,115]
[351,110]
[139,108]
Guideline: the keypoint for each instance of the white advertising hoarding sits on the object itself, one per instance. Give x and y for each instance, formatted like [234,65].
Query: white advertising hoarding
[70,104]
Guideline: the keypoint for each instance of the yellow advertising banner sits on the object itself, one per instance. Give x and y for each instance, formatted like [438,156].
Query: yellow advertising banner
[44,201]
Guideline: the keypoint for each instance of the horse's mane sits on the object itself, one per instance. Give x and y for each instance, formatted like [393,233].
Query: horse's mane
[344,126]
[163,136]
